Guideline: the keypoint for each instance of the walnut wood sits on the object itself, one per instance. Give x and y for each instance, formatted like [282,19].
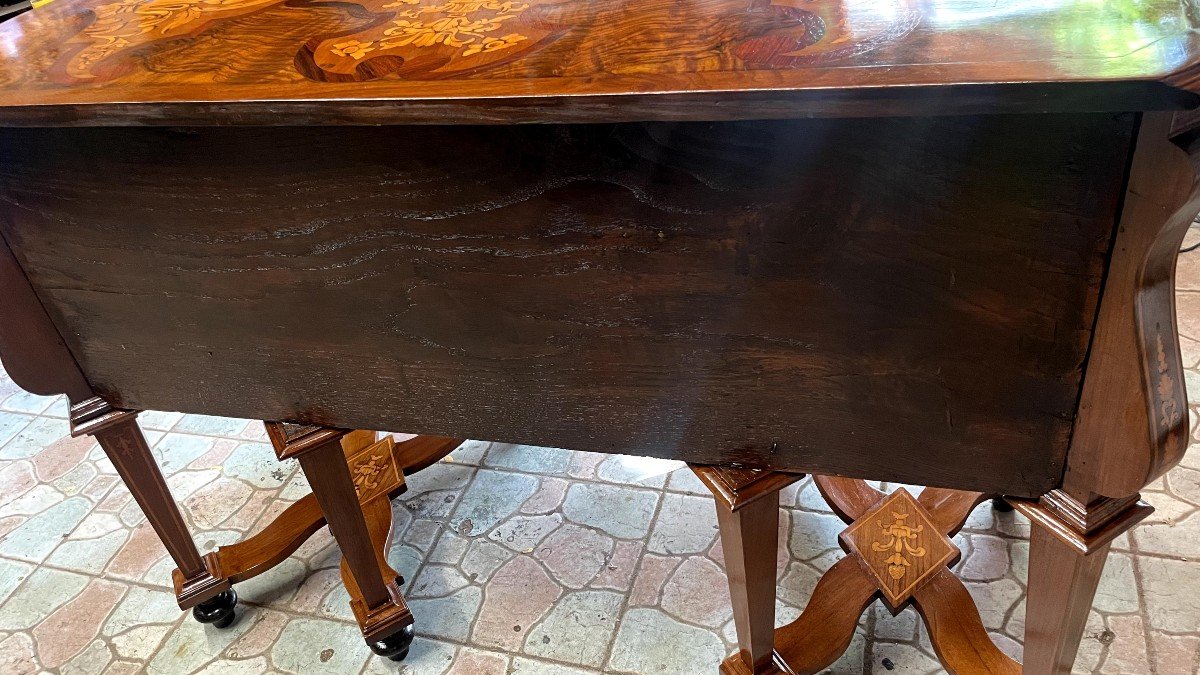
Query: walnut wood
[750,539]
[1132,424]
[956,631]
[819,637]
[849,498]
[118,433]
[378,514]
[949,509]
[737,487]
[899,551]
[704,308]
[254,555]
[1062,583]
[900,546]
[371,61]
[324,465]
[422,452]
[34,354]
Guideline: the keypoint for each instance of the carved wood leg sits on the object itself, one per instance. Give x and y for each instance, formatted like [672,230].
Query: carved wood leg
[748,514]
[118,433]
[1068,547]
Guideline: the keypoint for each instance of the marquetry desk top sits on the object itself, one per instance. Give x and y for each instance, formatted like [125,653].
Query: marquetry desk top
[296,61]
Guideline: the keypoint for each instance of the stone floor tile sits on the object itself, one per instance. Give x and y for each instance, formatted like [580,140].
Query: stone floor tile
[988,559]
[491,497]
[42,592]
[524,666]
[685,525]
[1172,594]
[192,644]
[692,593]
[650,642]
[40,432]
[517,596]
[548,498]
[648,582]
[641,471]
[617,573]
[12,573]
[71,627]
[527,458]
[25,402]
[523,533]
[1127,652]
[1117,592]
[35,538]
[449,617]
[622,512]
[212,426]
[575,555]
[1175,653]
[16,655]
[895,657]
[478,662]
[684,480]
[425,657]
[578,628]
[814,533]
[319,647]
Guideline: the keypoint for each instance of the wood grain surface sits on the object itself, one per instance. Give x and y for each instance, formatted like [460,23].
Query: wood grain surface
[384,61]
[895,298]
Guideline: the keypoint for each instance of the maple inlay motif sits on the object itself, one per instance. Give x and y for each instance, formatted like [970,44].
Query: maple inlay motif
[899,546]
[368,474]
[899,540]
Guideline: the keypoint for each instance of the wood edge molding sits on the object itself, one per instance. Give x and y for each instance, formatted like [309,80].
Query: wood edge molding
[290,440]
[737,487]
[34,353]
[93,415]
[1132,420]
[1060,515]
[379,622]
[191,592]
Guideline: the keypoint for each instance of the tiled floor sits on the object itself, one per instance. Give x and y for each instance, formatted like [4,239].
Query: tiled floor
[519,560]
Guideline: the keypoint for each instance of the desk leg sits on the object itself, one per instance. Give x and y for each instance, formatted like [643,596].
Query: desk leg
[118,433]
[748,515]
[383,616]
[1067,550]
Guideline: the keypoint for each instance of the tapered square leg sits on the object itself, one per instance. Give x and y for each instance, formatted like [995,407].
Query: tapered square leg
[119,435]
[375,599]
[748,515]
[1068,547]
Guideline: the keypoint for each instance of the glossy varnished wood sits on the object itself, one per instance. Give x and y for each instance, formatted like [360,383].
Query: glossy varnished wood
[266,61]
[739,292]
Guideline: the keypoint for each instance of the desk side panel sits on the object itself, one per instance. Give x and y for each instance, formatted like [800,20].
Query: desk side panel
[908,300]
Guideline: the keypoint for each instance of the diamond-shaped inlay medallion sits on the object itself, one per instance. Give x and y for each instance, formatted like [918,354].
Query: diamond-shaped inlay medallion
[375,470]
[899,545]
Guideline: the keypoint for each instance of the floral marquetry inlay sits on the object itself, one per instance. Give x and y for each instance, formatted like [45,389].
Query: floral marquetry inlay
[362,40]
[899,545]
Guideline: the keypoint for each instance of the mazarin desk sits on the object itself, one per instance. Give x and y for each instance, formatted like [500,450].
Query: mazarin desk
[920,241]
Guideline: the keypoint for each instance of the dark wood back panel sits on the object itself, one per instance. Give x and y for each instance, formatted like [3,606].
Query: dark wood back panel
[905,299]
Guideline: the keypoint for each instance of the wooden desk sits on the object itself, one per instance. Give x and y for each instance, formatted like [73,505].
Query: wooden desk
[929,242]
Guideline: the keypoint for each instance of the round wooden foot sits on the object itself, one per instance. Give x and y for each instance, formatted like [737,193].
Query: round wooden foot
[217,610]
[394,646]
[1001,505]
